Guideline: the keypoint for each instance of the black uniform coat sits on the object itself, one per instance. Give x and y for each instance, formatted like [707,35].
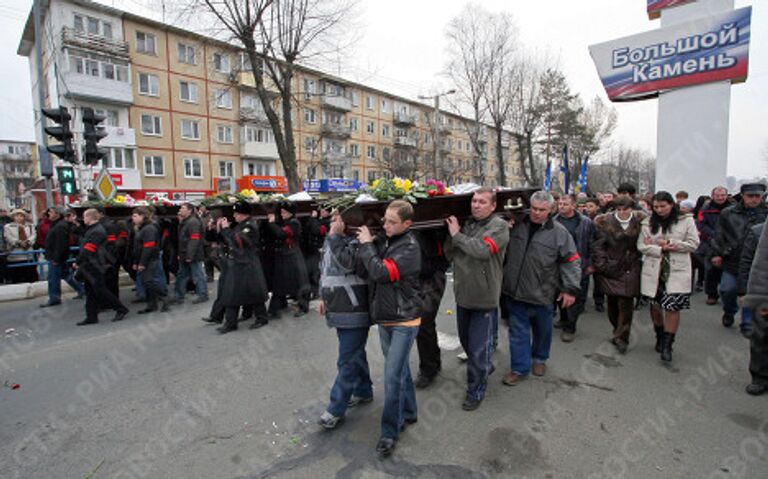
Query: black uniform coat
[90,260]
[242,279]
[191,240]
[289,273]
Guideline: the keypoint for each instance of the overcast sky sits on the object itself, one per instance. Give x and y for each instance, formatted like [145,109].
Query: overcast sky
[402,49]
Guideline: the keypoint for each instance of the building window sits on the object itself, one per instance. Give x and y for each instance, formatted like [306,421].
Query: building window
[309,89]
[371,176]
[221,62]
[224,134]
[186,54]
[384,106]
[309,116]
[121,158]
[193,168]
[370,128]
[356,175]
[371,152]
[149,84]
[88,64]
[112,118]
[188,91]
[258,135]
[368,102]
[355,96]
[223,99]
[190,129]
[154,166]
[385,130]
[310,144]
[354,149]
[150,125]
[353,124]
[93,26]
[258,168]
[145,43]
[226,169]
[106,29]
[79,23]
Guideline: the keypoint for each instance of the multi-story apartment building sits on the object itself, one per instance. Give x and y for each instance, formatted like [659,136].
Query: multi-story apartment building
[182,110]
[18,162]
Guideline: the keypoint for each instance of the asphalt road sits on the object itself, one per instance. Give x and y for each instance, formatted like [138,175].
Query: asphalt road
[167,397]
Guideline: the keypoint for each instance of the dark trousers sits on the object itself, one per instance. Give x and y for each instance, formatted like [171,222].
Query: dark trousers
[476,336]
[569,316]
[758,350]
[258,309]
[112,279]
[426,341]
[712,277]
[312,260]
[211,261]
[597,294]
[620,311]
[97,295]
[230,316]
[152,286]
[280,302]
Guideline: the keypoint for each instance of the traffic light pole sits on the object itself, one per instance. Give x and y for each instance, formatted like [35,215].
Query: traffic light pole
[44,157]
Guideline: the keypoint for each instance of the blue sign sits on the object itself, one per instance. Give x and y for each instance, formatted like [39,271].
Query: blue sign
[263,183]
[332,185]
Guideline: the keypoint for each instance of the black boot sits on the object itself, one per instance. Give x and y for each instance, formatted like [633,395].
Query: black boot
[659,330]
[666,346]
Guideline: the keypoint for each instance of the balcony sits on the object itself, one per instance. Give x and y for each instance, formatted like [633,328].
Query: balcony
[445,147]
[444,129]
[95,43]
[336,130]
[405,142]
[405,119]
[255,149]
[118,136]
[337,102]
[18,173]
[337,158]
[253,114]
[246,79]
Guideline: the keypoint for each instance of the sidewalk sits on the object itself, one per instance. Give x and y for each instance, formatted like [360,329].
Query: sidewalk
[16,292]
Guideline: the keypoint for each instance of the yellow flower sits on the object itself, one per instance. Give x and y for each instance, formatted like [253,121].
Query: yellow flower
[398,183]
[120,199]
[407,185]
[375,183]
[245,192]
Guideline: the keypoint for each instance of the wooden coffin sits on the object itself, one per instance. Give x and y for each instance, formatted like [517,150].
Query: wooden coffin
[432,212]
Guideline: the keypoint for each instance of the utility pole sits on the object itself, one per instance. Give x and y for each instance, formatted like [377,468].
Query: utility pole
[435,129]
[46,163]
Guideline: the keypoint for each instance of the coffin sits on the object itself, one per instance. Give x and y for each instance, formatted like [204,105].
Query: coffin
[432,212]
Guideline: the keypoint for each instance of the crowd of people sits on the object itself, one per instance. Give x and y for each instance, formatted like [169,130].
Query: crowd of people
[533,274]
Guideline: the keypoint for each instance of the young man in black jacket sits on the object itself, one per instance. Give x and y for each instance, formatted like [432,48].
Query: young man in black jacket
[57,254]
[146,256]
[91,265]
[392,262]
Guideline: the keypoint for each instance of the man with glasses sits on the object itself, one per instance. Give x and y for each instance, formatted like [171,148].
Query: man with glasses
[732,227]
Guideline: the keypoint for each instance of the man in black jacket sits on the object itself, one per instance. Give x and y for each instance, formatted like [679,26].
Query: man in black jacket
[392,263]
[242,280]
[91,265]
[732,227]
[756,300]
[289,272]
[191,255]
[57,254]
[146,258]
[706,222]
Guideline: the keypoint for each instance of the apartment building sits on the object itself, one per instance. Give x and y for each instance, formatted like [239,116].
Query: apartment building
[182,111]
[18,170]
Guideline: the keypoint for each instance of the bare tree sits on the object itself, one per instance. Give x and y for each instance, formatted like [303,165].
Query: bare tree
[276,35]
[525,116]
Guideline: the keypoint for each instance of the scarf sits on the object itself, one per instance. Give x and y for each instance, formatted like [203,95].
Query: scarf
[624,223]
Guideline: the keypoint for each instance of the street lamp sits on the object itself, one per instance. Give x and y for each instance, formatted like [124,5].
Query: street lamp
[435,133]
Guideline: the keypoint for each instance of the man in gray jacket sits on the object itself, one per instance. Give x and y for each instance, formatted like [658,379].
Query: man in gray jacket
[543,266]
[756,299]
[477,251]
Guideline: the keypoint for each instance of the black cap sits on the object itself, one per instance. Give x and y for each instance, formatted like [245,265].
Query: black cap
[288,206]
[752,188]
[242,207]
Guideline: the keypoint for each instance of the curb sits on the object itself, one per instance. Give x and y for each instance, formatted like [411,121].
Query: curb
[17,292]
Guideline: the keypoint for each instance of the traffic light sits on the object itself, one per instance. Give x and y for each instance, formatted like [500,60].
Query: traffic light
[61,132]
[67,183]
[93,133]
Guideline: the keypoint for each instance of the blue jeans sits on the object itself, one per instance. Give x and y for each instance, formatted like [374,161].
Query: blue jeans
[524,319]
[399,393]
[729,294]
[159,277]
[476,329]
[195,270]
[352,377]
[56,273]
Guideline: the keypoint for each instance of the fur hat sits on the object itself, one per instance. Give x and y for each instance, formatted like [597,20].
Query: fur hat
[242,207]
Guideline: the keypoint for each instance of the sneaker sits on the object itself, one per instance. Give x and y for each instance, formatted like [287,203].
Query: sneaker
[567,337]
[329,421]
[756,389]
[386,446]
[470,404]
[358,400]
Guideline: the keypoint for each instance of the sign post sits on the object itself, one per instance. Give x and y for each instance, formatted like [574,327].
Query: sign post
[689,63]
